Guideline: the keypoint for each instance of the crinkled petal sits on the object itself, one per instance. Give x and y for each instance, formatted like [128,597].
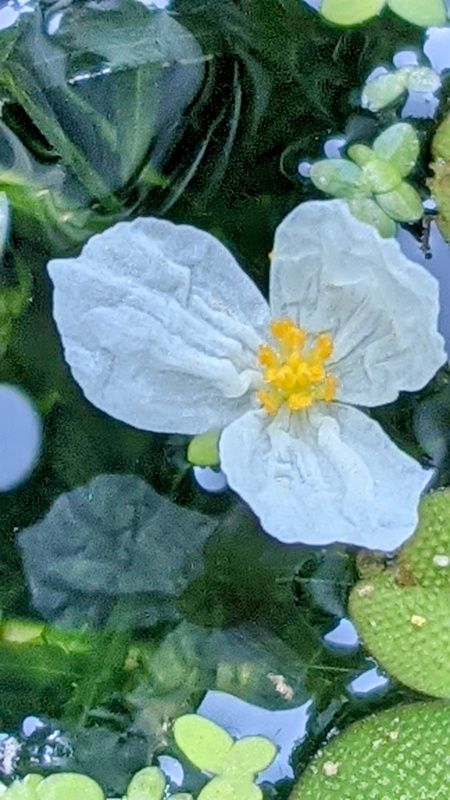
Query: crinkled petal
[327,475]
[160,326]
[331,272]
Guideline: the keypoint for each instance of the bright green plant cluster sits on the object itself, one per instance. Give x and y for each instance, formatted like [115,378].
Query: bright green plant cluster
[402,611]
[66,786]
[372,182]
[353,12]
[439,184]
[389,87]
[234,763]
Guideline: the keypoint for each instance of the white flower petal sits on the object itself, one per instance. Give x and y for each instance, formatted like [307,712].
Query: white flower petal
[331,272]
[327,475]
[160,326]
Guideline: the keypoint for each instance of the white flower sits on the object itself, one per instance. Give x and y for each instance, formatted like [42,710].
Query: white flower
[163,330]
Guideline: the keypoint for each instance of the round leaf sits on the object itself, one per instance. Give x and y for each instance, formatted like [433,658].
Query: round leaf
[367,210]
[338,177]
[250,755]
[204,743]
[384,90]
[224,789]
[400,754]
[69,786]
[426,556]
[420,12]
[360,154]
[148,784]
[203,450]
[423,79]
[381,175]
[399,145]
[349,12]
[402,204]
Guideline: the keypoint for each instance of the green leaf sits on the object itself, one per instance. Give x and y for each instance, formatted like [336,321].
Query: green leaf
[105,542]
[249,755]
[423,79]
[440,146]
[383,90]
[381,175]
[399,145]
[25,789]
[394,754]
[224,789]
[402,204]
[367,210]
[69,787]
[360,154]
[203,449]
[349,12]
[204,743]
[338,177]
[148,784]
[420,12]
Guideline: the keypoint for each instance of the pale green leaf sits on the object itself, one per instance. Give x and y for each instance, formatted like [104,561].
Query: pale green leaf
[203,450]
[402,204]
[69,786]
[203,742]
[249,755]
[381,175]
[385,89]
[366,210]
[148,784]
[350,12]
[420,12]
[399,145]
[361,154]
[338,177]
[423,79]
[223,789]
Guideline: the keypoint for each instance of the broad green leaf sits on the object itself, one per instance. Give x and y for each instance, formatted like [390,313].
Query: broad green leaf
[338,177]
[383,90]
[439,185]
[105,542]
[223,789]
[204,743]
[25,789]
[367,210]
[420,12]
[399,145]
[381,175]
[402,204]
[203,449]
[69,786]
[360,154]
[148,784]
[397,754]
[249,755]
[349,12]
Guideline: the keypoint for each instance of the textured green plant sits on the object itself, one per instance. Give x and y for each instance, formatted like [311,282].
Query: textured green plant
[65,786]
[402,611]
[439,184]
[372,182]
[353,12]
[397,754]
[387,88]
[235,763]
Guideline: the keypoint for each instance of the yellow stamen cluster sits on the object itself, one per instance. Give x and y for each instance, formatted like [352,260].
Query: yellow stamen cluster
[294,370]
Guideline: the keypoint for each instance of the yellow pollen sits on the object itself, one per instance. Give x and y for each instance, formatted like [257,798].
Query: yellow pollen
[294,369]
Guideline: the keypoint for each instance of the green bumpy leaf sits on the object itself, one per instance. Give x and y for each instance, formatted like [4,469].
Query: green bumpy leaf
[439,184]
[399,145]
[399,754]
[338,177]
[381,175]
[203,742]
[368,210]
[402,612]
[402,204]
[250,755]
[420,12]
[64,786]
[148,784]
[350,12]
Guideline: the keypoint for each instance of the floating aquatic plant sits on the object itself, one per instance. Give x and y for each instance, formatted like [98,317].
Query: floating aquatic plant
[163,330]
[372,182]
[65,786]
[402,611]
[397,754]
[388,87]
[439,184]
[353,12]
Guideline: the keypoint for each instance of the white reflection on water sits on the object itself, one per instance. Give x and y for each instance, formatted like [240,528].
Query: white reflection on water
[20,436]
[343,637]
[284,728]
[437,48]
[370,681]
[211,480]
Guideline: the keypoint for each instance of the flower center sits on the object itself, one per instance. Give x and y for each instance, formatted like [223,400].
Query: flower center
[294,370]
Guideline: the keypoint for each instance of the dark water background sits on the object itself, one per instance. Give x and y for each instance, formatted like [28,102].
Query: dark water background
[207,127]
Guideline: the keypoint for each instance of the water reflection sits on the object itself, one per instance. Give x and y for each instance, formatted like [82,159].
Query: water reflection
[437,48]
[343,637]
[373,680]
[239,718]
[20,437]
[211,480]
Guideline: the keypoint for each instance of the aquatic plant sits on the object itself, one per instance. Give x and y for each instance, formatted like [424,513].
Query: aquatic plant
[372,182]
[163,330]
[351,12]
[439,184]
[389,86]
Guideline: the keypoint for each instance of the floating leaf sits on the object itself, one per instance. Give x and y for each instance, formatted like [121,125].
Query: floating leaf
[383,90]
[420,12]
[148,784]
[439,184]
[402,612]
[250,755]
[203,450]
[381,175]
[397,754]
[361,154]
[203,742]
[338,177]
[402,204]
[349,12]
[440,146]
[106,541]
[368,210]
[70,787]
[423,79]
[399,145]
[225,789]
